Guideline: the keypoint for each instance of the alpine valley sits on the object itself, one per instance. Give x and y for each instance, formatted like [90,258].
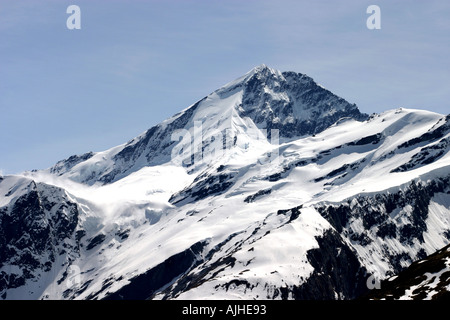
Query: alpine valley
[271,187]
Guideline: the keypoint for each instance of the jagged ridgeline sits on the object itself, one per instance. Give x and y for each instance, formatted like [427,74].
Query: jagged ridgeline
[292,103]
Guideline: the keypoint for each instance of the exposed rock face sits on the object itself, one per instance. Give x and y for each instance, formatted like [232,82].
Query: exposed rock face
[36,230]
[292,103]
[373,221]
[338,274]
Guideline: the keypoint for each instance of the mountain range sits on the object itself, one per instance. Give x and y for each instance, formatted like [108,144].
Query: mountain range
[271,187]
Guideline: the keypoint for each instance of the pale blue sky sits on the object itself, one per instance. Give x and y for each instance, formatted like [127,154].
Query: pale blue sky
[136,63]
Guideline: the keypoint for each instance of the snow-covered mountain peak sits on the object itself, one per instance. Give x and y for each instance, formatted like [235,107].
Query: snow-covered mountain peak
[242,113]
[196,207]
[262,71]
[292,102]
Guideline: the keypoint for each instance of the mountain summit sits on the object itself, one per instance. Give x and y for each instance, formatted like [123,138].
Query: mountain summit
[291,102]
[262,99]
[271,187]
